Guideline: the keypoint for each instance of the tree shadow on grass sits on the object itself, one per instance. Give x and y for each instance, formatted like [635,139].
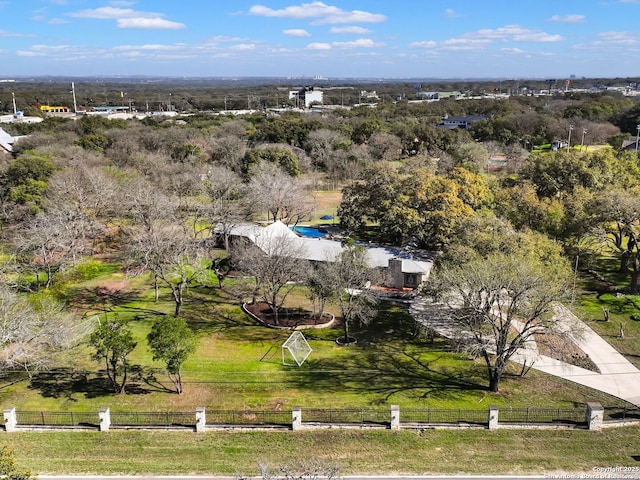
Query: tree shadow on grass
[67,384]
[387,373]
[101,296]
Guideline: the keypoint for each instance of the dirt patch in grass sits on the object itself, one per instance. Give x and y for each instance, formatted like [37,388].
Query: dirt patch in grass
[563,349]
[113,287]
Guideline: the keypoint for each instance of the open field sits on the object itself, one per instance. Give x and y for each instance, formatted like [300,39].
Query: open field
[354,451]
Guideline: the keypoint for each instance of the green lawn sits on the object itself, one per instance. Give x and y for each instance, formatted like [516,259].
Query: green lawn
[238,364]
[623,309]
[353,451]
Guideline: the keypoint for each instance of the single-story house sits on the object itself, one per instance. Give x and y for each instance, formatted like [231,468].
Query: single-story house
[461,122]
[406,270]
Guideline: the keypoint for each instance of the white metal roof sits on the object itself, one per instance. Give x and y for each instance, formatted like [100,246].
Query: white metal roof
[324,250]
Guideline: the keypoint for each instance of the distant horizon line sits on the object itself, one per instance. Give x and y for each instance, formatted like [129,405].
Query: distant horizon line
[317,78]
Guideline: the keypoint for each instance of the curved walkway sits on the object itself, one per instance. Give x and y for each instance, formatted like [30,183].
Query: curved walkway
[617,377]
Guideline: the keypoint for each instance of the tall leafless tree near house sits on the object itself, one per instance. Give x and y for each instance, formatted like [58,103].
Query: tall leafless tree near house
[227,205]
[349,276]
[276,262]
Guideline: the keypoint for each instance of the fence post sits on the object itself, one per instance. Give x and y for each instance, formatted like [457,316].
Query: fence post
[395,417]
[296,418]
[493,417]
[105,419]
[201,419]
[595,416]
[10,420]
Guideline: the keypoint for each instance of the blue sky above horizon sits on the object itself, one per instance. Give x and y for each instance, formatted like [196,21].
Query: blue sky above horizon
[330,38]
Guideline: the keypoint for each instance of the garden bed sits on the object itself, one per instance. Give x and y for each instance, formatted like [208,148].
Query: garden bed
[288,318]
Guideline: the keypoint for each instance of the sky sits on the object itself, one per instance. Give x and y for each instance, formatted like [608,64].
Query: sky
[383,39]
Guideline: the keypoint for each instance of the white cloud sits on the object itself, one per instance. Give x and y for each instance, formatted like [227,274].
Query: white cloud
[321,12]
[111,13]
[359,43]
[574,18]
[424,44]
[149,23]
[148,47]
[319,46]
[129,18]
[6,33]
[58,21]
[451,13]
[613,42]
[515,51]
[464,44]
[296,32]
[616,38]
[243,47]
[350,30]
[63,52]
[515,33]
[482,38]
[226,39]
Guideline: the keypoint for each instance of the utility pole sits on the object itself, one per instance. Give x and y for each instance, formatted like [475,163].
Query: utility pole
[637,136]
[569,140]
[584,132]
[15,110]
[73,92]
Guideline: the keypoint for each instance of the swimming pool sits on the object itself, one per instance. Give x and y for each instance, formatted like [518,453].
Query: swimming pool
[311,232]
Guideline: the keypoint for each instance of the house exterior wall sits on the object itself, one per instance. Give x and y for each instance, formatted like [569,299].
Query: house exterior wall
[396,274]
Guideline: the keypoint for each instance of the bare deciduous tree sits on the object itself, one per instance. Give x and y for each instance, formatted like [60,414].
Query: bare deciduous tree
[280,195]
[227,206]
[313,469]
[165,243]
[497,303]
[348,276]
[54,239]
[33,335]
[275,261]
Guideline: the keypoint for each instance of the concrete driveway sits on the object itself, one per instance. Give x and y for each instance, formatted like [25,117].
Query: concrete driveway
[617,377]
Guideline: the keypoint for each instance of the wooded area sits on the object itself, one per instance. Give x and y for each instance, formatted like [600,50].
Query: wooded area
[160,195]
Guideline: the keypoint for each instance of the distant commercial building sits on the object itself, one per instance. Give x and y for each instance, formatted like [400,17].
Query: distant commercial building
[54,109]
[306,96]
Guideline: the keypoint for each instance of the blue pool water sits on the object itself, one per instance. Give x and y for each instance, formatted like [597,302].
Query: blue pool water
[308,232]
